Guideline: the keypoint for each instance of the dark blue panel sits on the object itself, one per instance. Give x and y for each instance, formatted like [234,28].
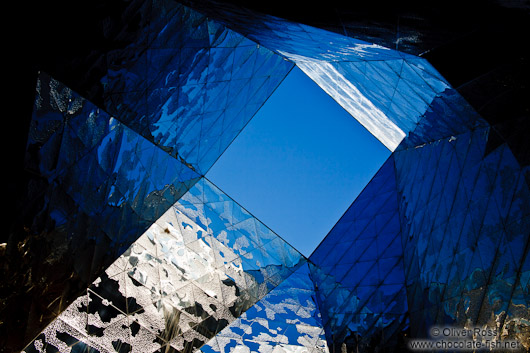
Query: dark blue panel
[96,190]
[363,271]
[466,266]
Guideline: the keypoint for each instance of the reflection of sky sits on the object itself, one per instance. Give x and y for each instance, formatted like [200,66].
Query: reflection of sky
[355,103]
[286,318]
[388,97]
[299,163]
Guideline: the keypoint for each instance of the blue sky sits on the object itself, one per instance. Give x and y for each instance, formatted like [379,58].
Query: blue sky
[299,163]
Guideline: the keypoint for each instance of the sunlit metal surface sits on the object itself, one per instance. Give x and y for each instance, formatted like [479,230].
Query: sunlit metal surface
[285,320]
[195,270]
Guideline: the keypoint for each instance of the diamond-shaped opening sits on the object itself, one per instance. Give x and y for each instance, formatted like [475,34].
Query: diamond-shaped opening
[280,166]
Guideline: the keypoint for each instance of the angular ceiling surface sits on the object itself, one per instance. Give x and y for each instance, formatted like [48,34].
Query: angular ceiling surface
[168,104]
[175,264]
[192,273]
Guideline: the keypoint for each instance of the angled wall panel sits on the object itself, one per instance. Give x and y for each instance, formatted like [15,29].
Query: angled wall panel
[93,193]
[358,269]
[189,84]
[285,320]
[200,266]
[465,207]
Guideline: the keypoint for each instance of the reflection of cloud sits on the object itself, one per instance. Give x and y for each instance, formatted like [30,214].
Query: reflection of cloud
[411,39]
[352,100]
[364,49]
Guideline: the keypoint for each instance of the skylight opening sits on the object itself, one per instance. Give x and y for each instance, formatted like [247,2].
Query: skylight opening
[299,163]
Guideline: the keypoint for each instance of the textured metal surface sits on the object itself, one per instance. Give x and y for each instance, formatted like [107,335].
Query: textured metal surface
[285,320]
[439,237]
[193,272]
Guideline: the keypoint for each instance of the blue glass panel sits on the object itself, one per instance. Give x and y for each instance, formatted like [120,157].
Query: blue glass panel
[459,235]
[189,66]
[369,278]
[102,168]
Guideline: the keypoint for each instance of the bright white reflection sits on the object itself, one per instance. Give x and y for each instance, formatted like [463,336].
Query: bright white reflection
[352,100]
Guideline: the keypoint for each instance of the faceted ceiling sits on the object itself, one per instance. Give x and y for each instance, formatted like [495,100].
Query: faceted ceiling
[135,250]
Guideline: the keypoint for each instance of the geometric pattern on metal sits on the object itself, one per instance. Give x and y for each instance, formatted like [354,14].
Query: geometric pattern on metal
[181,282]
[466,234]
[359,269]
[287,319]
[387,91]
[441,235]
[93,191]
[189,84]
